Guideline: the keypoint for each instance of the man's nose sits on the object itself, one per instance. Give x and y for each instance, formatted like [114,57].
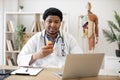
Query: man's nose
[53,24]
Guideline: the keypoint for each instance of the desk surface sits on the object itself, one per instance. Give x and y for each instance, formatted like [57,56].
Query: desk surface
[48,74]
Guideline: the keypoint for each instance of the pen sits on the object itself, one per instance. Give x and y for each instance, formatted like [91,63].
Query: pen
[26,70]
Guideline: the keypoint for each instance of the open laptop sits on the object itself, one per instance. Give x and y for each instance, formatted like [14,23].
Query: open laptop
[81,65]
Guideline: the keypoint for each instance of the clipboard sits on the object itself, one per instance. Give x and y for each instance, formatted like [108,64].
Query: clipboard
[33,71]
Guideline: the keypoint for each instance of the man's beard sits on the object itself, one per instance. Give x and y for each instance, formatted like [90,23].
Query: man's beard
[51,33]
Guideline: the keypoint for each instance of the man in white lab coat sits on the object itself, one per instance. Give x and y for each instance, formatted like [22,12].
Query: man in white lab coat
[36,52]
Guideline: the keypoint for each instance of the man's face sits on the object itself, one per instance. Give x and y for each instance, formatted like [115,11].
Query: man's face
[52,25]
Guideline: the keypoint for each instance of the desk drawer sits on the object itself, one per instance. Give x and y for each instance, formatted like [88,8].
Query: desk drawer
[112,63]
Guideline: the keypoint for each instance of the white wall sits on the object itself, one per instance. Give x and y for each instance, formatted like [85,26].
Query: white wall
[0,29]
[102,8]
[5,5]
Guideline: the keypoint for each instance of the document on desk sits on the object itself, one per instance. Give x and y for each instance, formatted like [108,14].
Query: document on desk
[27,71]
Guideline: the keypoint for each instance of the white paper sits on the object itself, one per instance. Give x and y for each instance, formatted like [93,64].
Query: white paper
[27,71]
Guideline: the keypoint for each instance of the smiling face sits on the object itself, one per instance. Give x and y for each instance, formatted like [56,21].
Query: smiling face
[52,25]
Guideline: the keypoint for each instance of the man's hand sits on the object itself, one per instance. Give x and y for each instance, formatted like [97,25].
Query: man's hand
[43,52]
[46,50]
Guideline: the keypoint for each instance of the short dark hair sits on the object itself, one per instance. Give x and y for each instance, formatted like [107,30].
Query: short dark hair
[52,11]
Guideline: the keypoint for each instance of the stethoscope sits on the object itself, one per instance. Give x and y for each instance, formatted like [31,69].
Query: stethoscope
[58,38]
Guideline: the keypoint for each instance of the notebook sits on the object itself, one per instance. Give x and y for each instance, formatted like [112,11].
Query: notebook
[81,65]
[33,71]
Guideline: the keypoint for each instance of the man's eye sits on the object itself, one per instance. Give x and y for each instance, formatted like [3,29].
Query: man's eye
[49,21]
[56,22]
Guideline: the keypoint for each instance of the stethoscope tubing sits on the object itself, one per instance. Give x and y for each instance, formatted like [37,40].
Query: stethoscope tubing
[45,42]
[62,44]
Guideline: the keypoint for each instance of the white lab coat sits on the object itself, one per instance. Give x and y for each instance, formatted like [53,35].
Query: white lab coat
[53,60]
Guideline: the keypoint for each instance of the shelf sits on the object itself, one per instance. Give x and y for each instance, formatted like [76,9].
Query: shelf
[9,32]
[12,51]
[23,32]
[12,20]
[23,13]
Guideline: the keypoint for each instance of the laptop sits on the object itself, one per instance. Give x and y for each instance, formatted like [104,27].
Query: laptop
[81,65]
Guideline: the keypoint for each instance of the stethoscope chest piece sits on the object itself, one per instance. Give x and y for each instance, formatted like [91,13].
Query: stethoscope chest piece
[60,49]
[63,49]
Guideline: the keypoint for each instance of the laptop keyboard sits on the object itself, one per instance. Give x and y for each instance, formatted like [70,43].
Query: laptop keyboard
[59,73]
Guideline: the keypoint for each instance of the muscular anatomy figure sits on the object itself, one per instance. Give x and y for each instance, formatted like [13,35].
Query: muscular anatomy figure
[90,29]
